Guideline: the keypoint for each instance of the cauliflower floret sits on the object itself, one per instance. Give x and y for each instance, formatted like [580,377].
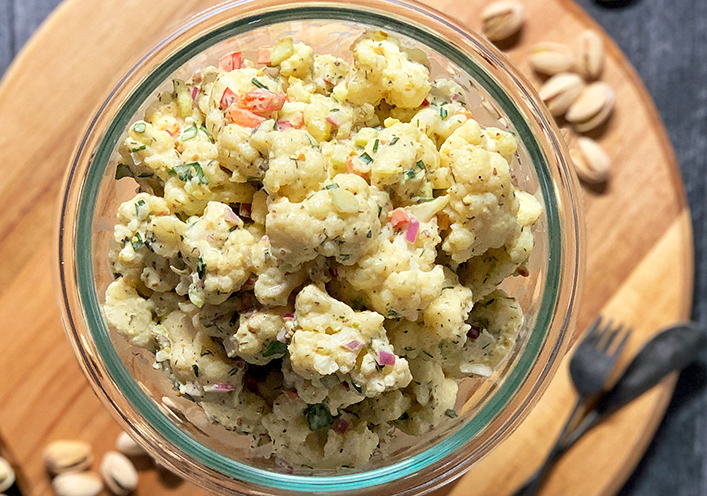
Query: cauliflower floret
[237,154]
[381,70]
[340,221]
[218,250]
[328,390]
[499,141]
[256,340]
[433,396]
[295,167]
[386,407]
[299,64]
[129,313]
[303,432]
[496,322]
[331,338]
[483,207]
[328,71]
[399,278]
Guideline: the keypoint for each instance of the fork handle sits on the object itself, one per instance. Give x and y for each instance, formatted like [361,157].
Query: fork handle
[534,482]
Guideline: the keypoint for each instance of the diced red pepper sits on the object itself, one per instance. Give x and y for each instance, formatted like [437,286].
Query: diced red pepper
[264,55]
[399,218]
[425,103]
[227,99]
[231,61]
[243,117]
[262,102]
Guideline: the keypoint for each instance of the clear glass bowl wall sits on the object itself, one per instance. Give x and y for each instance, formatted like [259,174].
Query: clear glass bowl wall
[176,430]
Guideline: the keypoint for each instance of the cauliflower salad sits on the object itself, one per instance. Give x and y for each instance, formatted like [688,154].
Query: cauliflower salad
[316,246]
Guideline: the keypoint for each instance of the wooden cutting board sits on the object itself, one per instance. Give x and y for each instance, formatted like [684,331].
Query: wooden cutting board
[639,246]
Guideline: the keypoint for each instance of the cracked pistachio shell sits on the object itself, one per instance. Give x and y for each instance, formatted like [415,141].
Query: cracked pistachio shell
[67,456]
[590,54]
[551,58]
[118,473]
[502,19]
[592,107]
[127,445]
[591,161]
[77,484]
[7,475]
[560,91]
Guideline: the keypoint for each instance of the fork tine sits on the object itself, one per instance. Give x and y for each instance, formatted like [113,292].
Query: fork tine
[609,338]
[622,344]
[593,335]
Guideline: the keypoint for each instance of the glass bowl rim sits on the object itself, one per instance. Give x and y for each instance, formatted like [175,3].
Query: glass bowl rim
[89,184]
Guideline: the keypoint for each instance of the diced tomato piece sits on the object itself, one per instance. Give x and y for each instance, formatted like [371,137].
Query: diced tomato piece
[399,218]
[231,61]
[227,99]
[243,117]
[283,125]
[262,102]
[264,55]
[425,103]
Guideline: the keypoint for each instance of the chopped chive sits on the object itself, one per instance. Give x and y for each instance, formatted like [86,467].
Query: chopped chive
[201,267]
[443,113]
[356,387]
[375,145]
[234,319]
[335,110]
[332,186]
[189,133]
[366,158]
[394,140]
[123,171]
[207,133]
[138,204]
[451,413]
[258,84]
[139,127]
[275,348]
[369,234]
[409,174]
[195,368]
[188,172]
[421,165]
[318,416]
[137,242]
[138,149]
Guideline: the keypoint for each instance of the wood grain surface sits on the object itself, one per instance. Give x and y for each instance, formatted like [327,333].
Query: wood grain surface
[639,259]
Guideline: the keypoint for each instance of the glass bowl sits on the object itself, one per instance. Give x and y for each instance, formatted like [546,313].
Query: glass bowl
[175,431]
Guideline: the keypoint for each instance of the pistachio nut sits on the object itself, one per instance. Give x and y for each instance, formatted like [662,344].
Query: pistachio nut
[590,160]
[502,19]
[127,446]
[590,54]
[551,58]
[67,456]
[560,91]
[77,484]
[118,473]
[7,475]
[592,107]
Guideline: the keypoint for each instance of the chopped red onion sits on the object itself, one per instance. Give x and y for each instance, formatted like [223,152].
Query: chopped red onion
[283,125]
[231,215]
[474,332]
[336,119]
[194,92]
[288,316]
[340,426]
[411,231]
[219,387]
[282,335]
[385,358]
[354,345]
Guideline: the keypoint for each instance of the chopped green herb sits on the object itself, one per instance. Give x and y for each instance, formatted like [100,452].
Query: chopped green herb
[188,172]
[138,204]
[332,186]
[201,267]
[207,133]
[252,179]
[195,368]
[428,354]
[421,165]
[392,314]
[489,302]
[369,234]
[375,145]
[233,371]
[394,140]
[123,171]
[356,387]
[189,133]
[451,413]
[409,174]
[274,126]
[139,127]
[318,416]
[443,113]
[137,242]
[404,416]
[146,174]
[275,348]
[335,110]
[380,209]
[258,84]
[138,148]
[366,157]
[357,304]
